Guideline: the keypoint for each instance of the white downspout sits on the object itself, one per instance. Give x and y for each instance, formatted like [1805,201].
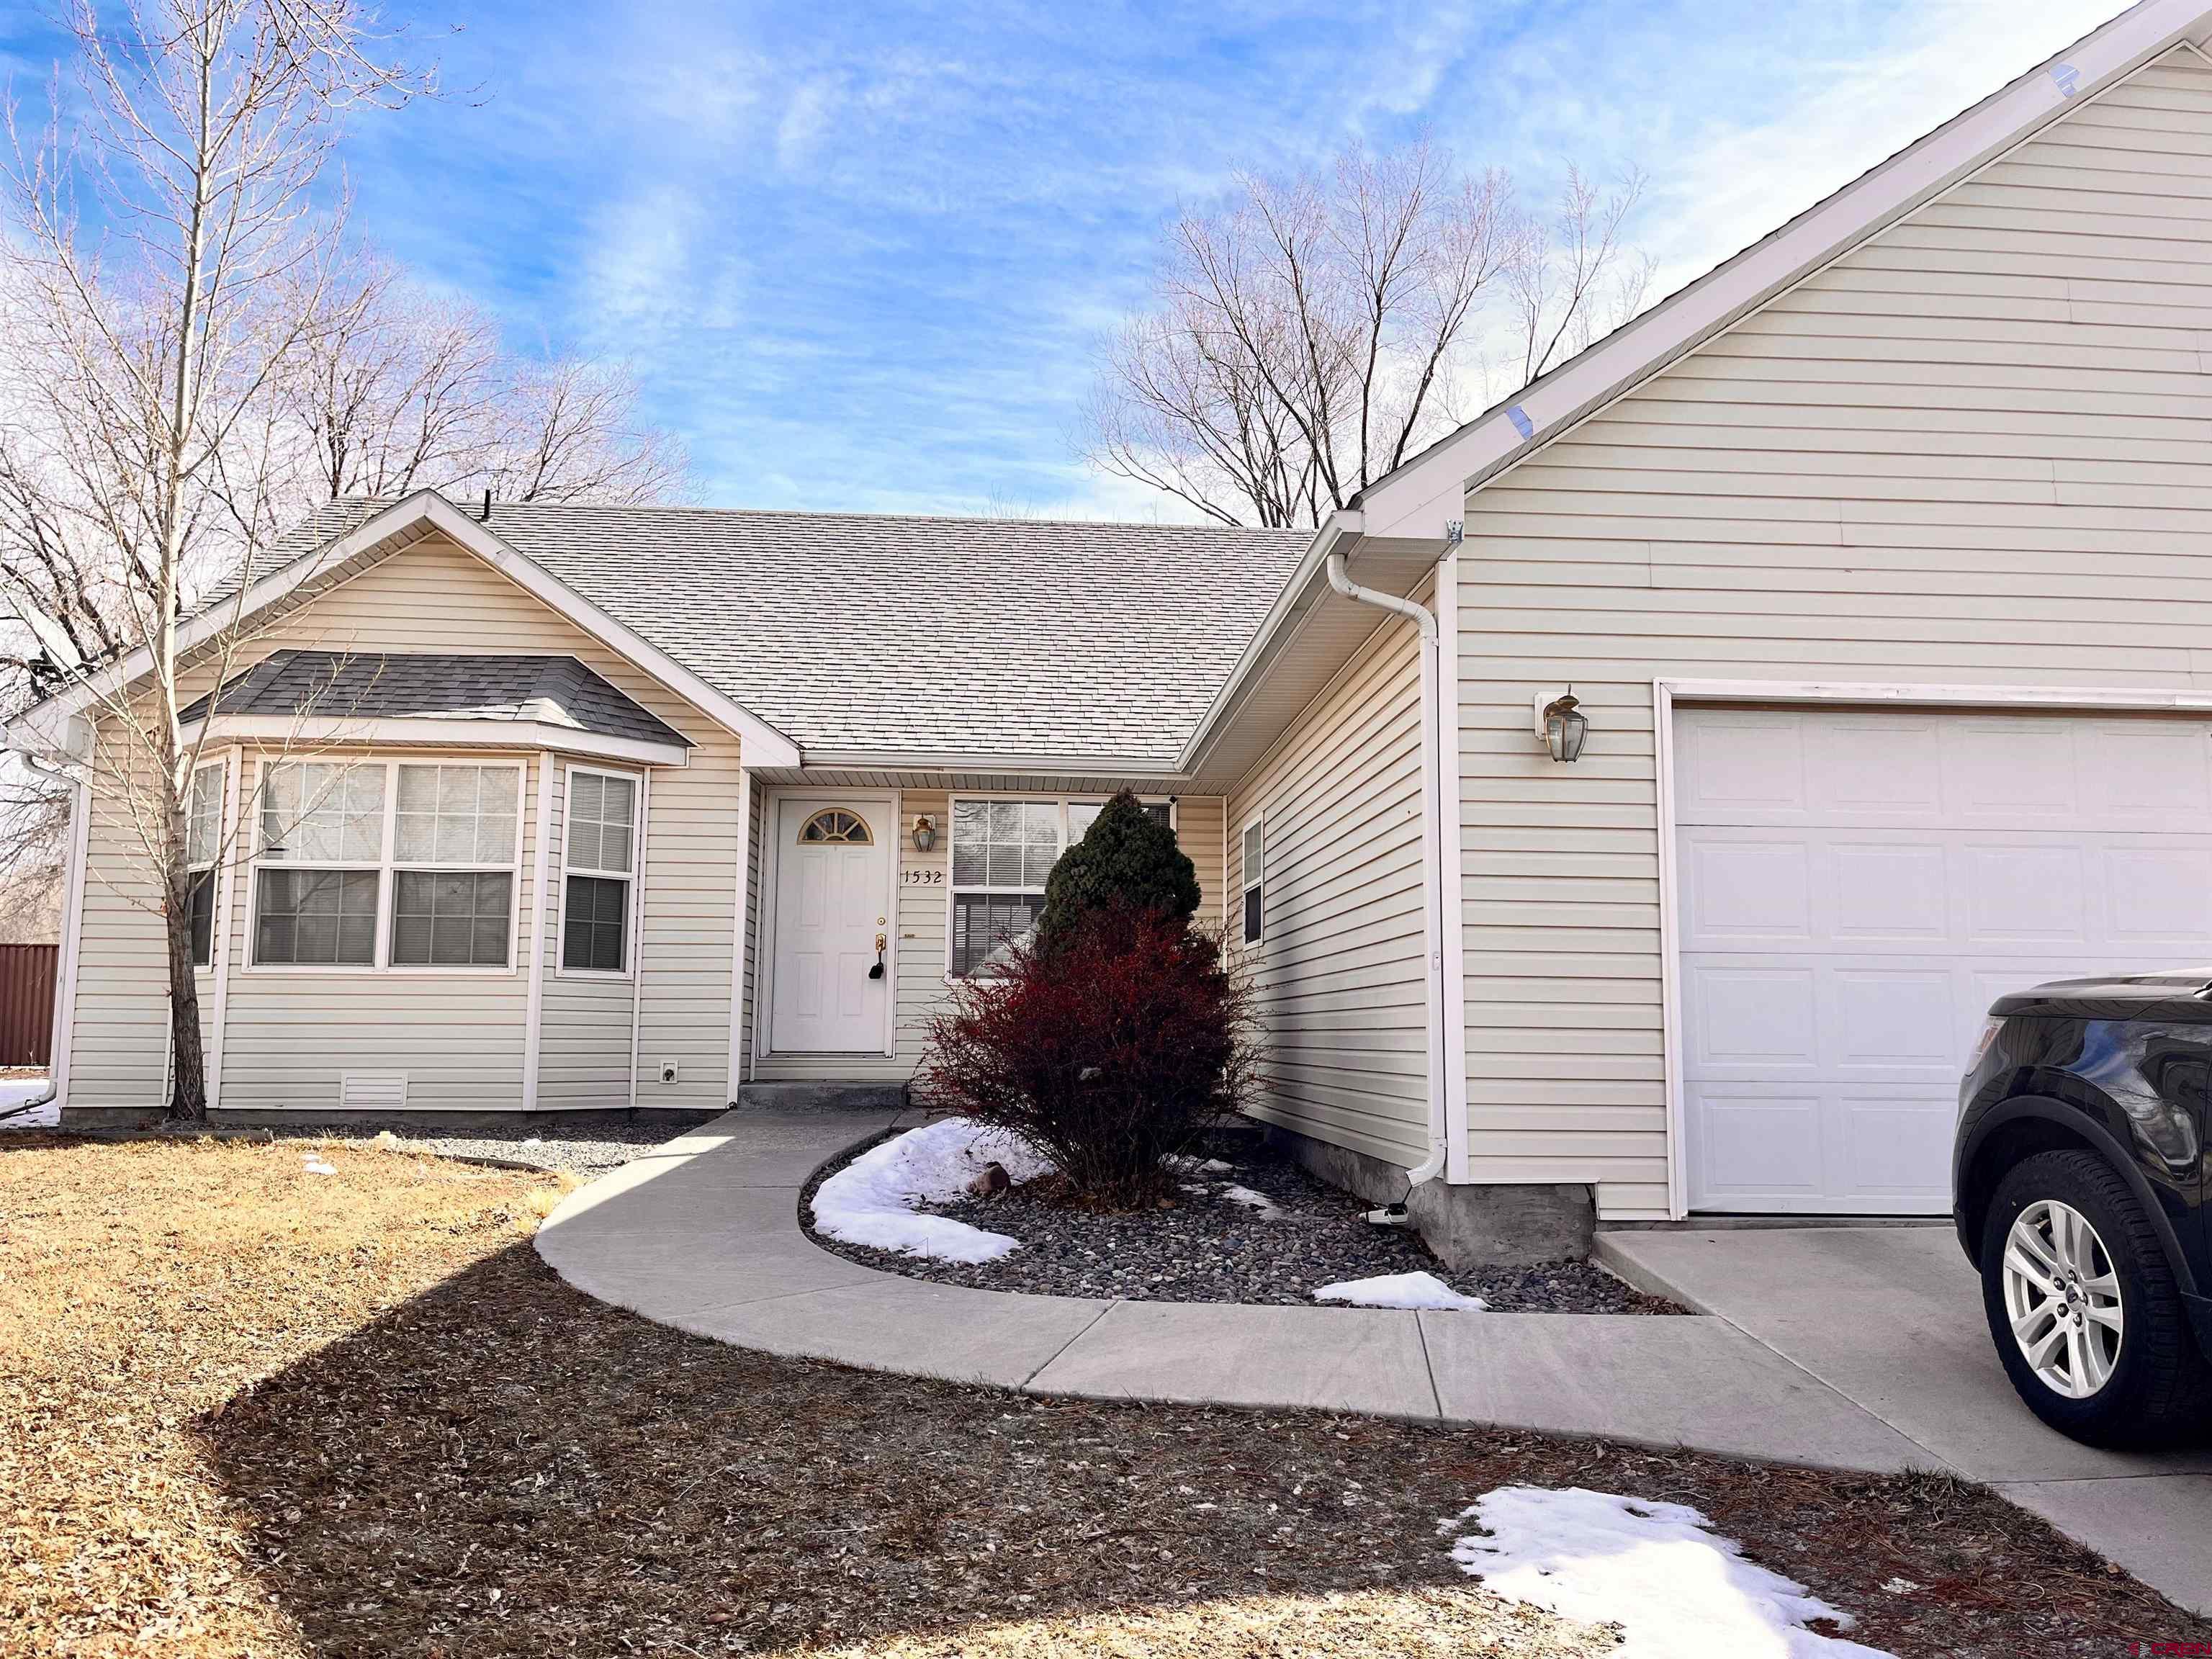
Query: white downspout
[1432,886]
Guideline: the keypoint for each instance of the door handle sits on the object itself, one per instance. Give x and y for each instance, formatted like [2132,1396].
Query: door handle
[883,941]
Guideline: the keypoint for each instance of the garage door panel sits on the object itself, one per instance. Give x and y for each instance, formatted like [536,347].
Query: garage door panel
[1748,767]
[1994,770]
[1758,1017]
[1898,1147]
[1842,936]
[1760,1142]
[1892,1019]
[2141,771]
[2020,895]
[1873,768]
[1754,889]
[1887,892]
[2157,897]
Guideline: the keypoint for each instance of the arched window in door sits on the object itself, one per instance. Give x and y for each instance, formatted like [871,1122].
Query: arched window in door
[835,825]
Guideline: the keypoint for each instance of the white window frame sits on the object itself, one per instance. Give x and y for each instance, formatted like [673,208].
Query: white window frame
[634,910]
[1037,797]
[386,870]
[211,867]
[1245,885]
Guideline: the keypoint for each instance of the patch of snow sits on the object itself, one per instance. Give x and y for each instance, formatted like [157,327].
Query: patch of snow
[1677,1589]
[1200,1165]
[873,1199]
[314,1165]
[1259,1203]
[1413,1290]
[1900,1587]
[17,1092]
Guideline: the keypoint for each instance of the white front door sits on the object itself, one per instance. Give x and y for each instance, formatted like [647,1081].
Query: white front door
[832,926]
[1857,886]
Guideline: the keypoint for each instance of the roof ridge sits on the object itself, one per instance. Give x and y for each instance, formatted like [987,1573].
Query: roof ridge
[376,503]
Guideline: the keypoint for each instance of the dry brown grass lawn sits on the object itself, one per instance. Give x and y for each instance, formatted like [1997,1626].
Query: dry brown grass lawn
[248,1409]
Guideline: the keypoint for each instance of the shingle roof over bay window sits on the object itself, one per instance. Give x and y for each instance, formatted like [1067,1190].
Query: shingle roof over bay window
[546,690]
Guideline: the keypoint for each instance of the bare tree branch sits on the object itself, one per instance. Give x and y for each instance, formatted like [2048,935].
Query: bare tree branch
[1311,336]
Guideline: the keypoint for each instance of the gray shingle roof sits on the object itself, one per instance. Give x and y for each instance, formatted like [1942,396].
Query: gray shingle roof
[975,636]
[388,685]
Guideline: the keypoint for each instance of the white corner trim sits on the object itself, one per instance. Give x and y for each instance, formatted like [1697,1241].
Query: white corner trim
[1670,956]
[72,940]
[541,862]
[637,928]
[1678,324]
[1667,692]
[739,933]
[505,736]
[1452,873]
[765,745]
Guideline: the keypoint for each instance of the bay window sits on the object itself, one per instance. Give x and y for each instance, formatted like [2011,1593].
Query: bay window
[1002,851]
[386,864]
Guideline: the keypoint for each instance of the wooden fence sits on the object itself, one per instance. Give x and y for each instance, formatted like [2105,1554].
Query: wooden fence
[27,1004]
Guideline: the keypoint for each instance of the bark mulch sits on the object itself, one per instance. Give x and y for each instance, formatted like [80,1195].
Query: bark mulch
[1211,1246]
[245,1409]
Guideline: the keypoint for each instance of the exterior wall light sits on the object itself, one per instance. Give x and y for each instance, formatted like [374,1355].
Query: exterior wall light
[925,833]
[1561,725]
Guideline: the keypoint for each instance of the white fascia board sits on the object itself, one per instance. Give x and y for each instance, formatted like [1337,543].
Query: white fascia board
[1422,497]
[1329,538]
[408,731]
[764,745]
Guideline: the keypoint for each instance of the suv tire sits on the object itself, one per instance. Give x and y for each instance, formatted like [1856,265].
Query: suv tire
[2158,1389]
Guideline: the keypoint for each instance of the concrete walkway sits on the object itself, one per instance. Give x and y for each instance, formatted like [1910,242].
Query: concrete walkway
[1891,1317]
[702,1234]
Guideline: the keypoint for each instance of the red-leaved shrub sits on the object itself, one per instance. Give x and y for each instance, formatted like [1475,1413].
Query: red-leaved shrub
[1110,1050]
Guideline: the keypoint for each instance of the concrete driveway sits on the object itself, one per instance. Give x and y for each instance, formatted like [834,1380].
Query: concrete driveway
[1891,1317]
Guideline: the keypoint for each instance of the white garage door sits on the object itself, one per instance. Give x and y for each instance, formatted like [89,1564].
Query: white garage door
[1856,889]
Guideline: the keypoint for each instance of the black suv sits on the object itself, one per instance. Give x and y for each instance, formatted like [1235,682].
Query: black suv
[2079,1186]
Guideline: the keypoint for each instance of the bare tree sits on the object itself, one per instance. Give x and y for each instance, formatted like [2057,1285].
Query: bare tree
[399,388]
[1318,331]
[143,360]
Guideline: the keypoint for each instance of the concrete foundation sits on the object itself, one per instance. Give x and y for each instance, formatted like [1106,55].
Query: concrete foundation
[821,1097]
[1508,1226]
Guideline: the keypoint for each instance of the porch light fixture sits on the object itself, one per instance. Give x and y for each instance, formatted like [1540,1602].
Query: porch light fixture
[925,833]
[1561,725]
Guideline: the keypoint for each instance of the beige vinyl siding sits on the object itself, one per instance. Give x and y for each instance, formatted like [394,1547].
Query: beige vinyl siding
[460,1038]
[1338,971]
[1976,449]
[119,1019]
[924,913]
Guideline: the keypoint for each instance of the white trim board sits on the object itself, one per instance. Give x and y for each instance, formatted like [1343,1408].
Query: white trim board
[1667,692]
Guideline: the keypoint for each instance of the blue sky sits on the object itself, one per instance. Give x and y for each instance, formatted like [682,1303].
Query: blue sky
[860,256]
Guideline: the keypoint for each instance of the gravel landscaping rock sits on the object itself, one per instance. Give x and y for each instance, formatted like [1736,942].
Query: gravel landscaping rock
[1215,1244]
[588,1152]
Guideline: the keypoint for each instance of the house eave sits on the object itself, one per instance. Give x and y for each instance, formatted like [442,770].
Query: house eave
[311,735]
